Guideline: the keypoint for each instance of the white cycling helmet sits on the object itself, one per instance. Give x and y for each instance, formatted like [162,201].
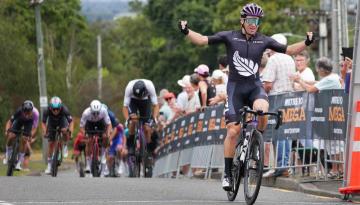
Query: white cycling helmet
[95,107]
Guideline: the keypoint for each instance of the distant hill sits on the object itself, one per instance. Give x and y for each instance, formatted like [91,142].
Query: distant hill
[104,9]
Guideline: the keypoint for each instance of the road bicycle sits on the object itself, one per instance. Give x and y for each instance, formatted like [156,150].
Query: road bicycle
[96,151]
[13,159]
[141,158]
[248,161]
[57,156]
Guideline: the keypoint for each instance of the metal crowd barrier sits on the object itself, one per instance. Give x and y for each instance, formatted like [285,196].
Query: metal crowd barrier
[196,140]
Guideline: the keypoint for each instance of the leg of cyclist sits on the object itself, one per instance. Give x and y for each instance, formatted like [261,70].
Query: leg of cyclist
[9,141]
[89,143]
[25,138]
[130,143]
[261,104]
[15,126]
[64,125]
[51,144]
[232,134]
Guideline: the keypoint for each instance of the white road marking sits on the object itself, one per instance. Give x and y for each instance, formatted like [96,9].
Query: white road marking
[166,202]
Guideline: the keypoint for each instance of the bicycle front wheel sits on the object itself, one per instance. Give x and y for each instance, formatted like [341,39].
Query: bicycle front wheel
[55,161]
[13,159]
[253,168]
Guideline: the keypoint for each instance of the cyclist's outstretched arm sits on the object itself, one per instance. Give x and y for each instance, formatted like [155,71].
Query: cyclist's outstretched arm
[194,37]
[300,46]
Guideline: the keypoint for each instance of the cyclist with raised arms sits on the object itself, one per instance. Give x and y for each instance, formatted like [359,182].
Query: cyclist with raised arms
[140,94]
[57,115]
[95,116]
[244,48]
[23,117]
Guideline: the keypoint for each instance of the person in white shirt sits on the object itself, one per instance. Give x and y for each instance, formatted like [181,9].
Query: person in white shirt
[302,60]
[182,97]
[328,80]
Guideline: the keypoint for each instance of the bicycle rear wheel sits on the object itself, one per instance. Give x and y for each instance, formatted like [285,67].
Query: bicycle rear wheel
[253,167]
[236,175]
[13,159]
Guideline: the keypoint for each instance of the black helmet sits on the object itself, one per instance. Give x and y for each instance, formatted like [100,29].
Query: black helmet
[139,89]
[27,106]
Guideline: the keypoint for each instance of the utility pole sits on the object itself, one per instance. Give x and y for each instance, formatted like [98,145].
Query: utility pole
[323,41]
[41,68]
[335,40]
[99,67]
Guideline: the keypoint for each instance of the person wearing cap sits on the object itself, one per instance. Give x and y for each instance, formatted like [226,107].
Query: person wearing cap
[276,79]
[280,66]
[346,67]
[245,47]
[206,90]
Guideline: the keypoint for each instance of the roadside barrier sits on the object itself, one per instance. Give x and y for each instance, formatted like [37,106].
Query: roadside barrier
[311,138]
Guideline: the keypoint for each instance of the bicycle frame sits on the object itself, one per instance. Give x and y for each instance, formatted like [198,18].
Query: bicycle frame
[57,154]
[95,151]
[244,158]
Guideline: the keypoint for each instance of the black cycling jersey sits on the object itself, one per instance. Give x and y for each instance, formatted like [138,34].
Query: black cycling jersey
[19,120]
[64,113]
[244,56]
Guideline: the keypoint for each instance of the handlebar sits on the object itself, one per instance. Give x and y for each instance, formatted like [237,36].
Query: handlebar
[243,111]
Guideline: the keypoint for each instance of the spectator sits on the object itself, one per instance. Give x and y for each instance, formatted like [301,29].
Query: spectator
[302,61]
[346,67]
[218,80]
[165,112]
[276,80]
[263,63]
[175,111]
[223,66]
[182,97]
[278,70]
[193,101]
[328,80]
[206,90]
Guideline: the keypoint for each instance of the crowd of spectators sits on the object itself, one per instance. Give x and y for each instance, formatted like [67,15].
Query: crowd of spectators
[279,73]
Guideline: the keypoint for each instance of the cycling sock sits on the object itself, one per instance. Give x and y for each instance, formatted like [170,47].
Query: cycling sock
[21,157]
[8,150]
[228,165]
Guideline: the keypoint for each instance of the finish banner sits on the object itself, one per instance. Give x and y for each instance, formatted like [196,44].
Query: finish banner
[305,116]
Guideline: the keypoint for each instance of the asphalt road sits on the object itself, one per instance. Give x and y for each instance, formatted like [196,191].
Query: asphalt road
[67,188]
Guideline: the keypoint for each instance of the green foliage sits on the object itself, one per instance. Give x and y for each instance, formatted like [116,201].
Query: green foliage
[147,45]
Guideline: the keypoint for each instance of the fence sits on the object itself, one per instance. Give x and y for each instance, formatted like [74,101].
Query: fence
[311,138]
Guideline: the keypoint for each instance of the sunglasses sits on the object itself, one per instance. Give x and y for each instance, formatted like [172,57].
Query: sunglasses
[56,109]
[255,21]
[167,99]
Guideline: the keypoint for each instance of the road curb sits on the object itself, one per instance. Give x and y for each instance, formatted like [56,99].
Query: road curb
[304,187]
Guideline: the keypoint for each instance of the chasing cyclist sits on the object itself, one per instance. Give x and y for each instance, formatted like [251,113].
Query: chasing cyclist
[245,48]
[23,117]
[95,116]
[140,94]
[57,115]
[117,143]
